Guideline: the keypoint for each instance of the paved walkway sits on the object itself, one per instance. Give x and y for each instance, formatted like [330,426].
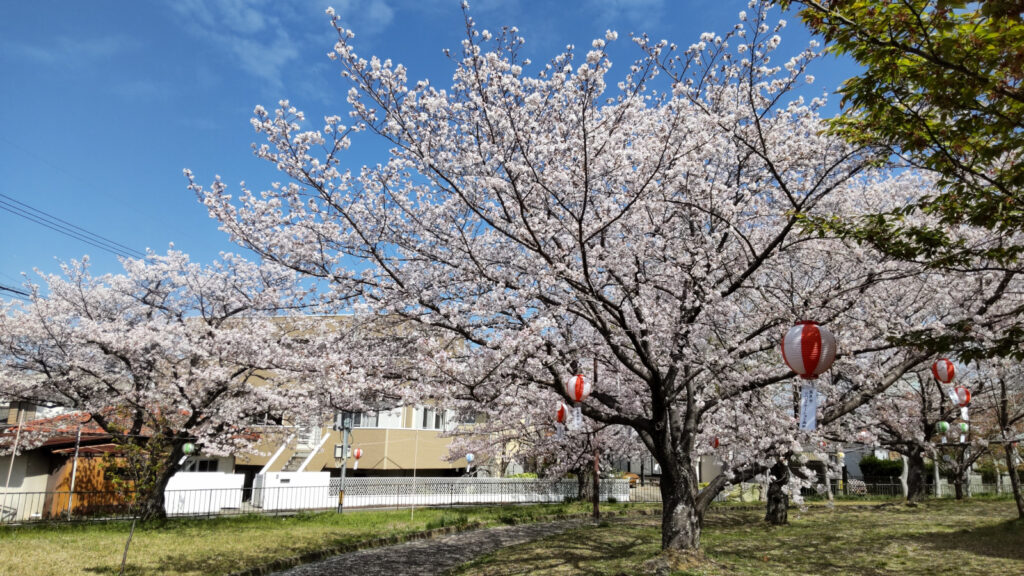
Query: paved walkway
[423,557]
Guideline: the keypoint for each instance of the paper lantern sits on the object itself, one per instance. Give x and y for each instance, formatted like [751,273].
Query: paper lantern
[808,349]
[963,396]
[188,448]
[469,458]
[577,388]
[840,457]
[357,453]
[714,442]
[943,370]
[964,427]
[943,427]
[562,413]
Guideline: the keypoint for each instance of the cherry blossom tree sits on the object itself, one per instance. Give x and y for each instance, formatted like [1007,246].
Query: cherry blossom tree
[906,420]
[1001,410]
[547,219]
[167,353]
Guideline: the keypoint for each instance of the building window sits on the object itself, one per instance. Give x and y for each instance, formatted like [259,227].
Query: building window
[361,419]
[5,412]
[201,465]
[430,419]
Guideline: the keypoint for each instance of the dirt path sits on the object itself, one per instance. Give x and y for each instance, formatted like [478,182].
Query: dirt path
[430,556]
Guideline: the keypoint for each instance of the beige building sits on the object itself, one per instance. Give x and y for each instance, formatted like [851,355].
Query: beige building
[393,442]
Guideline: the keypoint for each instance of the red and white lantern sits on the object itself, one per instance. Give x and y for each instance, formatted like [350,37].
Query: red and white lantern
[357,454]
[714,442]
[577,388]
[562,413]
[808,349]
[963,396]
[943,370]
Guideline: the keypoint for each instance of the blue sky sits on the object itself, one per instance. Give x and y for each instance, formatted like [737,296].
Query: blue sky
[105,102]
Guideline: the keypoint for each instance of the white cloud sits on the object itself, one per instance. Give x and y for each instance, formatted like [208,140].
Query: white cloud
[364,17]
[642,12]
[142,90]
[65,50]
[251,31]
[256,32]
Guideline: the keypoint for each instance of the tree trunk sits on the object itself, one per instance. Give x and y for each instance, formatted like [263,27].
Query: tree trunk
[958,485]
[681,520]
[151,506]
[777,509]
[1014,481]
[915,476]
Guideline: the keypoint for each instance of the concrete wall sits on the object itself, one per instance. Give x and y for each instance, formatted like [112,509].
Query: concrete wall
[26,495]
[293,491]
[202,492]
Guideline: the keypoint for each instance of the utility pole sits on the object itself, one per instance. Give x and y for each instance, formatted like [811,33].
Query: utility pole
[74,471]
[346,425]
[17,438]
[415,464]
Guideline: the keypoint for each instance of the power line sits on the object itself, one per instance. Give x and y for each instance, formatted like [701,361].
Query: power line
[66,228]
[15,293]
[14,290]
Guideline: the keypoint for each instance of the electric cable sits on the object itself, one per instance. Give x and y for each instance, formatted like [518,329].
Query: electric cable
[62,226]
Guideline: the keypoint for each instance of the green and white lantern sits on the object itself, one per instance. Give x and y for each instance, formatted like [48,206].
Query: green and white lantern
[943,427]
[964,427]
[188,448]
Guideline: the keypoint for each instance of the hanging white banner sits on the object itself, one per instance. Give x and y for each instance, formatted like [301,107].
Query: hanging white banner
[808,407]
[963,414]
[559,430]
[577,417]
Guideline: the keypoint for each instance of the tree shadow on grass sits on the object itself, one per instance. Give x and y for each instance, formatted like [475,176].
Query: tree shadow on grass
[584,551]
[112,570]
[182,564]
[1003,540]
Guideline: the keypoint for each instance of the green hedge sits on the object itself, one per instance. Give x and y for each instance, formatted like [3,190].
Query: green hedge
[878,470]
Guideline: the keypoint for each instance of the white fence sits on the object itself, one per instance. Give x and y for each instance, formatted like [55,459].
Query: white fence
[200,493]
[397,492]
[293,491]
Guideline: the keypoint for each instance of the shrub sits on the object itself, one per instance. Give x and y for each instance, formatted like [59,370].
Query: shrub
[878,470]
[988,473]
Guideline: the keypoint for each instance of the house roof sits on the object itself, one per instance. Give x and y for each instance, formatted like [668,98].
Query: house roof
[57,431]
[62,431]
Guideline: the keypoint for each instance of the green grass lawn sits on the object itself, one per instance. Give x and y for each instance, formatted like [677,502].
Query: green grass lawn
[224,545]
[938,537]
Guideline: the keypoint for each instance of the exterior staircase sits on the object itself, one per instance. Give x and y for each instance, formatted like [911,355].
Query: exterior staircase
[298,457]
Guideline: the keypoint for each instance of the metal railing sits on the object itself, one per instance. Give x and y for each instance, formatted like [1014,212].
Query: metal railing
[26,507]
[23,507]
[401,492]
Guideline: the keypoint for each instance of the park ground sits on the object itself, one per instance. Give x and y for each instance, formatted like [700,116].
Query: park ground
[938,537]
